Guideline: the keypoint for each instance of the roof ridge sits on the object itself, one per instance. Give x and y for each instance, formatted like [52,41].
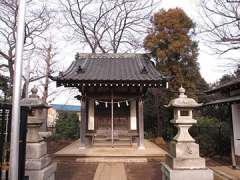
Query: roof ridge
[109,55]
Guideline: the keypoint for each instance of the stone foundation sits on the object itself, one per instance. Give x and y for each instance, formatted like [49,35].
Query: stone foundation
[186,174]
[48,173]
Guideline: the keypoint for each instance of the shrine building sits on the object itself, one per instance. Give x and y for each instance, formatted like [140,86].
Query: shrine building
[111,90]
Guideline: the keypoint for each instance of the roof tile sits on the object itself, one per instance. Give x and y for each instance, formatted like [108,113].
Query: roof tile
[112,67]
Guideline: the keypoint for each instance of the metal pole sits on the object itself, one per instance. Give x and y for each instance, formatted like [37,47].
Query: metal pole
[15,125]
[112,118]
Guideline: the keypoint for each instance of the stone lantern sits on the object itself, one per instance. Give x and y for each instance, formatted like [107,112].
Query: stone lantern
[183,160]
[39,165]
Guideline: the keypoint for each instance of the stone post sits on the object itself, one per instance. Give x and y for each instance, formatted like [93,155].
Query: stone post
[38,163]
[183,161]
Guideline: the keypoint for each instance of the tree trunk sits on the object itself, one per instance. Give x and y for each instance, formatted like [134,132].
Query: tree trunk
[48,64]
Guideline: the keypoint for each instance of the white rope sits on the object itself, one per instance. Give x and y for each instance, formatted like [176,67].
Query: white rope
[117,102]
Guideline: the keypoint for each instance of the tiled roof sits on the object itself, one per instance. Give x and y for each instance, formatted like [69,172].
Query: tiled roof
[224,100]
[111,68]
[229,85]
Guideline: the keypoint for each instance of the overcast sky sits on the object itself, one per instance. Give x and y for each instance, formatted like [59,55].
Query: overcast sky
[211,66]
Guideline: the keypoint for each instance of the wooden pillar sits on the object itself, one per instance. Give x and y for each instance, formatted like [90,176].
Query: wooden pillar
[140,124]
[83,123]
[236,126]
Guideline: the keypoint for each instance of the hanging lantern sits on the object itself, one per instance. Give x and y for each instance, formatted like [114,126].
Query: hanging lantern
[118,104]
[106,104]
[127,104]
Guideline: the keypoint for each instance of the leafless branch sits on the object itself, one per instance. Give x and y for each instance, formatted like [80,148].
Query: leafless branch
[104,25]
[221,25]
[38,19]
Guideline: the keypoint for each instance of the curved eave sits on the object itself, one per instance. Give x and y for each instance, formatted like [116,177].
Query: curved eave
[114,83]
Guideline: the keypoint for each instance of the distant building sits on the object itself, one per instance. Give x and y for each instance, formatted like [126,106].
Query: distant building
[230,94]
[55,108]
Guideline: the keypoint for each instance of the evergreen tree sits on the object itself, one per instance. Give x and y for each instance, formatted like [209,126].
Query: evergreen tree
[4,88]
[67,126]
[171,42]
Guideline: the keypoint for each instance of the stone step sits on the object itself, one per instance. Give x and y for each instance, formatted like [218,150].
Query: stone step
[109,143]
[112,159]
[115,139]
[109,159]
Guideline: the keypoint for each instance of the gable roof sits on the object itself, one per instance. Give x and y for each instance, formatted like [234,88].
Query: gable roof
[111,68]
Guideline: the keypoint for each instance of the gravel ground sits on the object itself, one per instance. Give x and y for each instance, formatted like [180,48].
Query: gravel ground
[143,171]
[75,171]
[68,170]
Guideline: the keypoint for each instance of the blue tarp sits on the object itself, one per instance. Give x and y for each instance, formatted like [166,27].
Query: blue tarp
[63,107]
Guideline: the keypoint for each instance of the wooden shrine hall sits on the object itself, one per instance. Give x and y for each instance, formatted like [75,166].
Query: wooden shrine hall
[112,88]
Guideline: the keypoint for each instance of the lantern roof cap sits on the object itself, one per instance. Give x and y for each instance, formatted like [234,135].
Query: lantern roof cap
[183,101]
[34,100]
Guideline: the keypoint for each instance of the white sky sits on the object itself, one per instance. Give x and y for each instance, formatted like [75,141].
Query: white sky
[211,66]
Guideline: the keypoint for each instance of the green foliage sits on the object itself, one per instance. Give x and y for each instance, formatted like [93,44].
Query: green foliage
[212,132]
[67,126]
[5,89]
[207,121]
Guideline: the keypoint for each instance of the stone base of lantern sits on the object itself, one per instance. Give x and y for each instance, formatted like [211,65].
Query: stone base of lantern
[47,173]
[185,174]
[182,163]
[39,165]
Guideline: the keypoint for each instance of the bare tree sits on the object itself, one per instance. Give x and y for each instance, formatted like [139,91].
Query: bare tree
[221,25]
[108,25]
[48,54]
[39,68]
[38,19]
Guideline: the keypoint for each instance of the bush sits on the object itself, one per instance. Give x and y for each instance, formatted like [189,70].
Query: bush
[212,135]
[67,126]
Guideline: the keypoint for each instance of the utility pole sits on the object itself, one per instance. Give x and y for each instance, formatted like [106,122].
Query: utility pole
[15,124]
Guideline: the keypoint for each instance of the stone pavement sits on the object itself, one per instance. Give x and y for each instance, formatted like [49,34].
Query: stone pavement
[73,150]
[110,171]
[225,173]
